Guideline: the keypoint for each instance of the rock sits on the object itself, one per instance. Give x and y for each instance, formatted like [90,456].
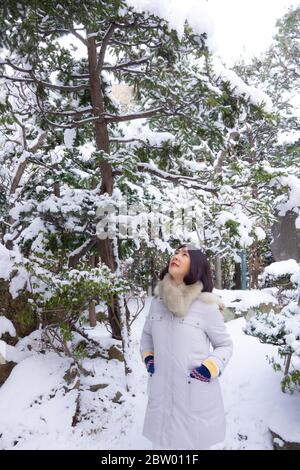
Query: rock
[95,388]
[72,377]
[11,340]
[115,352]
[5,370]
[98,353]
[267,307]
[2,359]
[228,313]
[117,397]
[280,444]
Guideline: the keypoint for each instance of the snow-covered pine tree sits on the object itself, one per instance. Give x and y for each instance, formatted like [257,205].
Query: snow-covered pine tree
[282,329]
[71,99]
[277,72]
[188,116]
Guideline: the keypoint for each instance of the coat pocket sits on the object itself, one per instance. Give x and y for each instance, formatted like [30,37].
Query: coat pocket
[155,389]
[201,395]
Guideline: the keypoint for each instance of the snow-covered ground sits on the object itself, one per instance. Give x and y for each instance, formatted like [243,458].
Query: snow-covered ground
[36,407]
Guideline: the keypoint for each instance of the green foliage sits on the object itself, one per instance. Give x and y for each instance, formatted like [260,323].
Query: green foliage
[291,381]
[73,289]
[232,226]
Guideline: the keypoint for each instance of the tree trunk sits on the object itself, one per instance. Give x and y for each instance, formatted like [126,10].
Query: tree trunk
[92,313]
[102,142]
[237,276]
[254,258]
[254,266]
[92,304]
[19,173]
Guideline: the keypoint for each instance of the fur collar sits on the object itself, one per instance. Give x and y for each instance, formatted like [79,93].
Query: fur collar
[179,298]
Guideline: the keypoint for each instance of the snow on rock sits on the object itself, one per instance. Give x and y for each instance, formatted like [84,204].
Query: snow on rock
[40,403]
[244,300]
[13,353]
[281,268]
[6,326]
[285,419]
[2,352]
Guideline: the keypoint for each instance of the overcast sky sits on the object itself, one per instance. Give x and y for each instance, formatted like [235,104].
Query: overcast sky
[241,27]
[245,27]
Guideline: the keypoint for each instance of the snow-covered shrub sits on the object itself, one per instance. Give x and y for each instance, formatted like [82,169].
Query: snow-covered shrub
[74,289]
[283,275]
[282,329]
[59,296]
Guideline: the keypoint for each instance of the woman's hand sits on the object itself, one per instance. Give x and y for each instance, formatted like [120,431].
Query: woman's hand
[201,373]
[149,361]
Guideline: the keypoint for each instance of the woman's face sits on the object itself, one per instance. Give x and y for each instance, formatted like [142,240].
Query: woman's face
[180,263]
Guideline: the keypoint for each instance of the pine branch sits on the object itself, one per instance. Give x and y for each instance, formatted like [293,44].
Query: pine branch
[51,86]
[127,44]
[104,116]
[126,64]
[33,79]
[74,257]
[127,141]
[129,117]
[104,45]
[187,181]
[69,113]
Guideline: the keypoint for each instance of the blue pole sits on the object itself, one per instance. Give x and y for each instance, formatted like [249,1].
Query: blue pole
[243,269]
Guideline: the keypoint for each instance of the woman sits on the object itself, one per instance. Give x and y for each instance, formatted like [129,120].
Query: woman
[185,407]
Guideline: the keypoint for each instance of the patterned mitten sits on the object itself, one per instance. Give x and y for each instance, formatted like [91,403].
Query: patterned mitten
[201,373]
[149,361]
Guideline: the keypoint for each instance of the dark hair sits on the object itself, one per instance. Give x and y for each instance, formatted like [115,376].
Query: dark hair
[199,270]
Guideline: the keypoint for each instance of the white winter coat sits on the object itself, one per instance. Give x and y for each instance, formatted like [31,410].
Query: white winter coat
[183,412]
